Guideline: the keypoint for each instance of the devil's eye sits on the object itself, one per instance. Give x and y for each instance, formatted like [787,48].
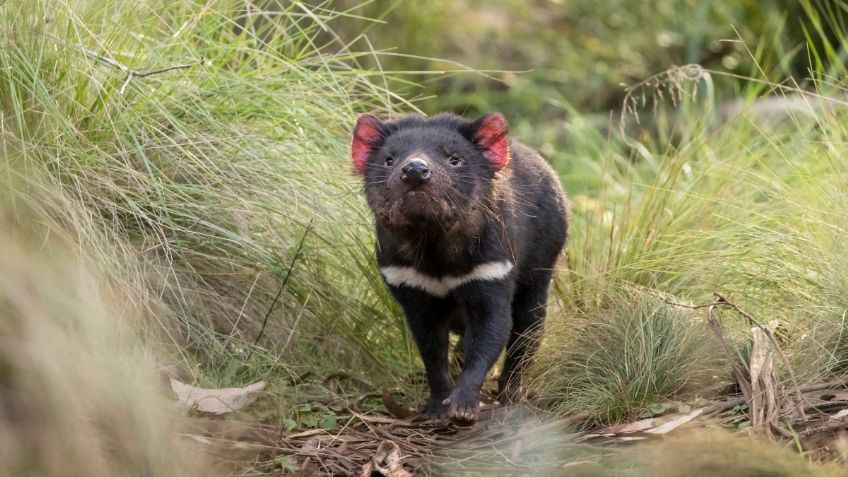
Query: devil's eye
[454,160]
[390,160]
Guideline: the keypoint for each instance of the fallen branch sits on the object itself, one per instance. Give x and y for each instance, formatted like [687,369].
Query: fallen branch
[718,331]
[720,407]
[130,72]
[765,408]
[825,425]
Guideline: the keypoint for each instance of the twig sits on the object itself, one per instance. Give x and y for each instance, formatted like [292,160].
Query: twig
[722,300]
[715,325]
[285,281]
[677,303]
[783,432]
[731,403]
[133,73]
[725,301]
[823,386]
[825,425]
[720,407]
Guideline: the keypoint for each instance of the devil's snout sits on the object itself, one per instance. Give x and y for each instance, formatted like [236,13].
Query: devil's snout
[415,172]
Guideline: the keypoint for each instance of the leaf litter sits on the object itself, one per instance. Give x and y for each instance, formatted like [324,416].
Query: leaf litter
[518,440]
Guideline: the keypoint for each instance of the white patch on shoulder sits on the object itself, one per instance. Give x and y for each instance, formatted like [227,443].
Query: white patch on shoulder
[440,287]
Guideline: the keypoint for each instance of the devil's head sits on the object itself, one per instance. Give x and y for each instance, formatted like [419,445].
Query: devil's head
[429,174]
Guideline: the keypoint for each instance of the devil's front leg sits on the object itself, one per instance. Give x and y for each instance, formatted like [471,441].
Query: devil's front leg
[428,319]
[487,305]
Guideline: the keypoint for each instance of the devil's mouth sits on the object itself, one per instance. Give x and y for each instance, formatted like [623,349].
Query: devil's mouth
[418,202]
[417,207]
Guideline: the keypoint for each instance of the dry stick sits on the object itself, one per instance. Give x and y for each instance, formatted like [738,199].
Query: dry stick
[724,301]
[720,407]
[783,432]
[715,325]
[765,407]
[285,281]
[826,425]
[131,73]
[731,403]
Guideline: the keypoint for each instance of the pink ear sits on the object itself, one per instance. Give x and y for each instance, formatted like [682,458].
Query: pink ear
[366,133]
[490,132]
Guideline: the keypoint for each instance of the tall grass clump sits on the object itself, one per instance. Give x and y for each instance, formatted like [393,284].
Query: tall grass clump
[750,205]
[79,395]
[618,359]
[198,152]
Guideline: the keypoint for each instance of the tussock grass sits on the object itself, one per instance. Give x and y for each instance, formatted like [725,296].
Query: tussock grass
[632,351]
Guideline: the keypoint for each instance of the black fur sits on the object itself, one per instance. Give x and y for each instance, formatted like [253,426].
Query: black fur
[466,215]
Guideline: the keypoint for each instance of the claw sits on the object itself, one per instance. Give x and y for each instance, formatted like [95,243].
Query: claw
[462,407]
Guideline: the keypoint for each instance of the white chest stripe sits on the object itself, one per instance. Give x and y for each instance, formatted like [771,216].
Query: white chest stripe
[397,276]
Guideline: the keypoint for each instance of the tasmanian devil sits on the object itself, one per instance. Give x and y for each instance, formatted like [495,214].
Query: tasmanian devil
[469,226]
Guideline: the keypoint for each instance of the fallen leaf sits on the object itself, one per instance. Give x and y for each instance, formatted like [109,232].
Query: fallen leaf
[675,423]
[216,401]
[635,426]
[841,414]
[653,425]
[385,462]
[395,409]
[329,422]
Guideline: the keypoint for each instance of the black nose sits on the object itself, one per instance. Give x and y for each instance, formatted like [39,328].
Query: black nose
[415,172]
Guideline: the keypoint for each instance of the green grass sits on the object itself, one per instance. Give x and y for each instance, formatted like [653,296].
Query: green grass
[752,208]
[215,202]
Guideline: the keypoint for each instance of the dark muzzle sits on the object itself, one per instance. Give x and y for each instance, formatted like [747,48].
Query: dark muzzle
[415,172]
